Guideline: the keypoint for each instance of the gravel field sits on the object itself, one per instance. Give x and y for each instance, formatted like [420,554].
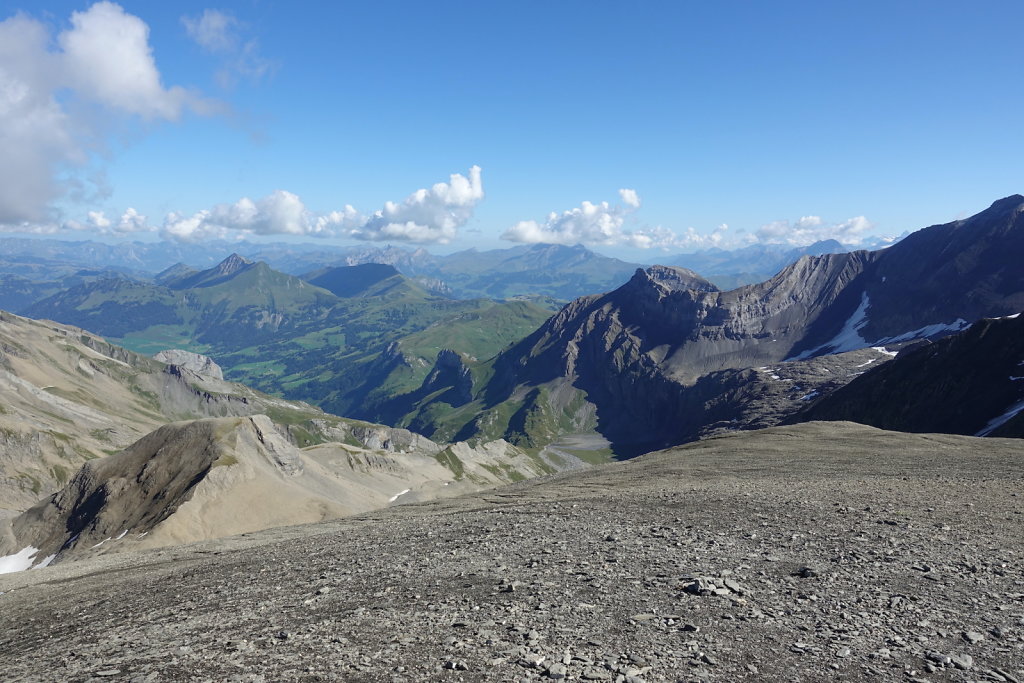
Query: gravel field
[817,552]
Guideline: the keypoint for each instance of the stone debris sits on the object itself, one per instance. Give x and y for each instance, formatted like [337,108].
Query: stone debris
[514,584]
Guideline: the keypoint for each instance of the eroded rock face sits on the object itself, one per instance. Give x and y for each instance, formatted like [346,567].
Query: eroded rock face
[137,489]
[197,363]
[376,437]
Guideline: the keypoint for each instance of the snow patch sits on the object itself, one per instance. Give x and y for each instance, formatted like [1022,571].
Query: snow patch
[882,349]
[808,397]
[46,561]
[1015,379]
[19,561]
[866,363]
[398,495]
[997,422]
[849,338]
[101,542]
[958,325]
[123,534]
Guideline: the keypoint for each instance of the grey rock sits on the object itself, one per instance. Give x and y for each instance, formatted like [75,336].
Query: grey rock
[962,661]
[973,637]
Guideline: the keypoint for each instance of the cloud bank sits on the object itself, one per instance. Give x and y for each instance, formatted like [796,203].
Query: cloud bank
[603,224]
[810,229]
[103,60]
[427,216]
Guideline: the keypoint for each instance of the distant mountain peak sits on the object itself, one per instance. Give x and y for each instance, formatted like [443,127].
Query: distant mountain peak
[232,264]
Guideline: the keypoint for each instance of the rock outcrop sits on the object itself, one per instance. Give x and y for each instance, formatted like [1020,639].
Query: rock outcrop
[197,363]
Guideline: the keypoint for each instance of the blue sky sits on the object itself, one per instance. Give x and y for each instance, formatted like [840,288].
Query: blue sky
[784,121]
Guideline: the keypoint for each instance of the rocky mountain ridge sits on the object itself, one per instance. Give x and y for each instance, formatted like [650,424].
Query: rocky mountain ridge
[637,351]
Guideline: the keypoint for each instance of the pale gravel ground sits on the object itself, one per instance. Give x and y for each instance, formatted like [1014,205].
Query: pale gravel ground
[914,544]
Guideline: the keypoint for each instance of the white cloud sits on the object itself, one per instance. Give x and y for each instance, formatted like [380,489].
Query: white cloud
[630,197]
[810,229]
[36,134]
[132,221]
[98,221]
[604,224]
[104,58]
[425,216]
[213,30]
[590,223]
[219,33]
[719,237]
[280,213]
[107,58]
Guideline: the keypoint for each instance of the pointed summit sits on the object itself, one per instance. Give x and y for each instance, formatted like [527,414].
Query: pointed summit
[225,270]
[232,264]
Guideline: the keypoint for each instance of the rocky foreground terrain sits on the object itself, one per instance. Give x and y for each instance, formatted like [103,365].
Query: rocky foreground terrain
[823,551]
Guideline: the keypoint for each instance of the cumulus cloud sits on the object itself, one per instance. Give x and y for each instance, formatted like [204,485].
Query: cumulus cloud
[105,59]
[97,222]
[131,221]
[589,223]
[220,33]
[427,216]
[810,229]
[604,224]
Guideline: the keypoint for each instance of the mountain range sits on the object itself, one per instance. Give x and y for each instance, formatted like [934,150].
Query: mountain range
[629,362]
[284,334]
[105,449]
[33,269]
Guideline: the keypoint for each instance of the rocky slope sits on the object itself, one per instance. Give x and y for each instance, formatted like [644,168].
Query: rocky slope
[202,479]
[72,402]
[819,552]
[68,397]
[637,353]
[967,383]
